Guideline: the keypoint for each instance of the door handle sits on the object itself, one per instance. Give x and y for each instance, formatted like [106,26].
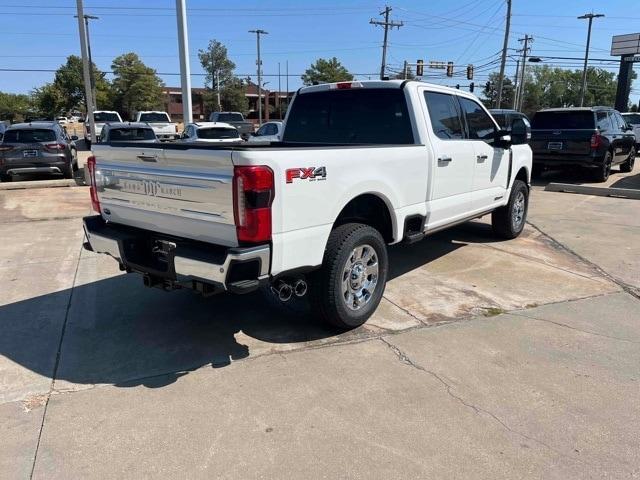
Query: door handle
[482,158]
[444,159]
[147,158]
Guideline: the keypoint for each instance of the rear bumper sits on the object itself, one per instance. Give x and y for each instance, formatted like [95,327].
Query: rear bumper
[25,168]
[166,260]
[547,160]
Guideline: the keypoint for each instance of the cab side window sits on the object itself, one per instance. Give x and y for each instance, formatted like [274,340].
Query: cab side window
[480,126]
[262,131]
[602,121]
[619,120]
[444,115]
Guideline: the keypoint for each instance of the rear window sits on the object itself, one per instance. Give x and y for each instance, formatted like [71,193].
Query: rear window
[357,116]
[29,136]
[217,133]
[131,134]
[229,117]
[154,117]
[563,120]
[633,118]
[103,117]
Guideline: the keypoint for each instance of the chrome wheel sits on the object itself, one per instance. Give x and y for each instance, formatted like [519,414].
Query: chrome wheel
[517,214]
[360,277]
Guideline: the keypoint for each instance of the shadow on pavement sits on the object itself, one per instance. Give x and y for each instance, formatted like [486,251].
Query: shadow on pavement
[119,332]
[630,182]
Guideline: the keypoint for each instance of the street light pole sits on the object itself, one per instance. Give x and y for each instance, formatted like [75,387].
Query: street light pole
[590,17]
[93,80]
[185,69]
[503,61]
[259,32]
[86,72]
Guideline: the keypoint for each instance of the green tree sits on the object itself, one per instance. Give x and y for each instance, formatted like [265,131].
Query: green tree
[233,96]
[219,75]
[15,107]
[69,80]
[326,71]
[491,93]
[48,100]
[135,86]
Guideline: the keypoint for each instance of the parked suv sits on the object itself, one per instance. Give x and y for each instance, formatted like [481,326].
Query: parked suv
[592,137]
[505,117]
[633,119]
[37,147]
[210,132]
[127,132]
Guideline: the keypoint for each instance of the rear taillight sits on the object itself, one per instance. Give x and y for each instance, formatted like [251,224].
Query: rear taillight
[253,192]
[596,140]
[54,147]
[93,190]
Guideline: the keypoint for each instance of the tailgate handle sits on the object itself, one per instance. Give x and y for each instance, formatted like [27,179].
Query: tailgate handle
[147,158]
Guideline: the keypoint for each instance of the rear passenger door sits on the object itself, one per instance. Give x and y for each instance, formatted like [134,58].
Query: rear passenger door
[452,170]
[491,164]
[626,139]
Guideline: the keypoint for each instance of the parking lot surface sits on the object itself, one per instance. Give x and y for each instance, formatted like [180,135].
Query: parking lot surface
[485,359]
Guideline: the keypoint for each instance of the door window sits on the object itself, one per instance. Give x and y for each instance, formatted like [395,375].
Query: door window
[262,131]
[603,122]
[444,115]
[620,121]
[480,126]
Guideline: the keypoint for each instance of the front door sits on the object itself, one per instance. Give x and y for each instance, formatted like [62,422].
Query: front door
[452,171]
[491,165]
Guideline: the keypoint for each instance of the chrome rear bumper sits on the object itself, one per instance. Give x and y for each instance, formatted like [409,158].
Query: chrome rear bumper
[183,260]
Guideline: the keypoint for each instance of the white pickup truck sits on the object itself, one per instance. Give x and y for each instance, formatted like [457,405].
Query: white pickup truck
[361,165]
[161,124]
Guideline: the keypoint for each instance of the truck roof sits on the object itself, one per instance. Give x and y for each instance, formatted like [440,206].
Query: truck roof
[391,84]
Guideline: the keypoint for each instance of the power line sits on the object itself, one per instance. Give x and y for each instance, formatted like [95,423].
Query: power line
[386,24]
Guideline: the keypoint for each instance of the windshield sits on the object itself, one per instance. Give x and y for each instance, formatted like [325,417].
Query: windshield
[131,134]
[230,117]
[29,136]
[154,117]
[103,117]
[632,118]
[217,133]
[569,120]
[350,116]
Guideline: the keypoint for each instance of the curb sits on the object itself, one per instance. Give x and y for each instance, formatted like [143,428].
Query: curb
[589,190]
[70,182]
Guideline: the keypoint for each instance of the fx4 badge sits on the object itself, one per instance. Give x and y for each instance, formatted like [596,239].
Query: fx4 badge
[312,174]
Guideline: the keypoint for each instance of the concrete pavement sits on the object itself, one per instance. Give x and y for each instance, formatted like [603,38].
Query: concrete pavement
[102,378]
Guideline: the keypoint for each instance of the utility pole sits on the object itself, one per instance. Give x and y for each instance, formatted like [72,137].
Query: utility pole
[86,72]
[590,17]
[516,85]
[386,24]
[93,81]
[259,32]
[525,51]
[279,99]
[218,90]
[286,73]
[503,61]
[185,69]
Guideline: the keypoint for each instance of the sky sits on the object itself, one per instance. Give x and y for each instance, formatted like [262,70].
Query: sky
[40,34]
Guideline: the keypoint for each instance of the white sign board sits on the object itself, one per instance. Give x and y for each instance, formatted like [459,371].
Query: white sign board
[625,44]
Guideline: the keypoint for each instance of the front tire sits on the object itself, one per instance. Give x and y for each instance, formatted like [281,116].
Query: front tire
[628,165]
[349,286]
[508,221]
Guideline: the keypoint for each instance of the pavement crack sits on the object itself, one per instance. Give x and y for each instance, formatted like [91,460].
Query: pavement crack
[404,310]
[56,364]
[405,359]
[564,325]
[624,286]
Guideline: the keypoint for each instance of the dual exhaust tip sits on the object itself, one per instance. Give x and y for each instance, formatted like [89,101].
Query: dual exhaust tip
[285,291]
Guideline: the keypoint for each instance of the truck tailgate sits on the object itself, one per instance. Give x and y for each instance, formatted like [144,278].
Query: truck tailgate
[186,193]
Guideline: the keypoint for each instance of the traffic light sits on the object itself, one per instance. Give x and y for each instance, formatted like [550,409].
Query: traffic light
[419,68]
[472,86]
[488,86]
[469,72]
[449,69]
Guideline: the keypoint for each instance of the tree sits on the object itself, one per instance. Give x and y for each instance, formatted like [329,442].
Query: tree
[491,93]
[135,86]
[220,80]
[49,101]
[326,71]
[409,74]
[15,107]
[69,80]
[233,96]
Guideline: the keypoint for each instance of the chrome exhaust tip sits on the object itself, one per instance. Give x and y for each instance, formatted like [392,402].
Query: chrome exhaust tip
[283,291]
[300,288]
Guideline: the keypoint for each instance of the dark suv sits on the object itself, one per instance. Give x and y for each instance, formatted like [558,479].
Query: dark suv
[37,147]
[592,137]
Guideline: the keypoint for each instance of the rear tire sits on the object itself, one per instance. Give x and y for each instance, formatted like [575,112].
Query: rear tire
[74,160]
[5,178]
[628,165]
[603,171]
[349,285]
[508,221]
[67,171]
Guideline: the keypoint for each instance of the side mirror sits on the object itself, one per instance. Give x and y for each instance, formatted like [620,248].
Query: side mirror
[74,137]
[520,132]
